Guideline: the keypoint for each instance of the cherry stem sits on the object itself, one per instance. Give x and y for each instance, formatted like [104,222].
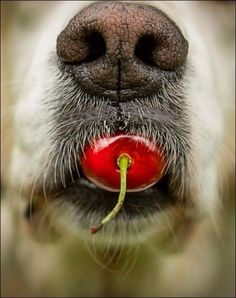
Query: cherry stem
[123,161]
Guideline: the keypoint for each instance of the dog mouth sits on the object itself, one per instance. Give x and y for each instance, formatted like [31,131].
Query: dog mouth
[91,203]
[137,204]
[81,205]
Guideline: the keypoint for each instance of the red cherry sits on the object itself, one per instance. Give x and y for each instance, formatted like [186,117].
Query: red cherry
[99,162]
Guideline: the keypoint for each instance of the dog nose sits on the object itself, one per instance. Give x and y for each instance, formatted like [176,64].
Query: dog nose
[121,50]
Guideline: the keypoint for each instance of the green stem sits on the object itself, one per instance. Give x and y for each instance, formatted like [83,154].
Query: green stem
[123,162]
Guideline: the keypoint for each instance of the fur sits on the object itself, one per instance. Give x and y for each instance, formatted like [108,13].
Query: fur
[188,117]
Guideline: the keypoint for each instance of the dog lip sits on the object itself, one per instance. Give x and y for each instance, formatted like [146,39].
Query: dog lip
[87,198]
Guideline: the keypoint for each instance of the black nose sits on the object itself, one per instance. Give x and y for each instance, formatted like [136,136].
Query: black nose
[121,50]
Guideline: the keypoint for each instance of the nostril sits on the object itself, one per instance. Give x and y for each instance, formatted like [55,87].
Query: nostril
[96,46]
[81,47]
[167,52]
[145,48]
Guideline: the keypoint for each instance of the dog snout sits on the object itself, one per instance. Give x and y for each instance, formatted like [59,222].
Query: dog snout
[121,49]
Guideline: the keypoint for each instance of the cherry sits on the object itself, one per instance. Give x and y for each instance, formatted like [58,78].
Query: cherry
[122,163]
[100,162]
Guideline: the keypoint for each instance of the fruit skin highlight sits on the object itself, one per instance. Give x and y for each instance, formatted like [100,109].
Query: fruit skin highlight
[99,162]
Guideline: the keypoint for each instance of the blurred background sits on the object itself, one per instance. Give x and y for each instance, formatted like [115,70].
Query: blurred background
[19,21]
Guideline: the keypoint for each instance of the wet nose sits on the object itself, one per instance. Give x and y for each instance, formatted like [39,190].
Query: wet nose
[121,50]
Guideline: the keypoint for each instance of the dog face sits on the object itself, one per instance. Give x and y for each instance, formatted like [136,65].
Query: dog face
[142,69]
